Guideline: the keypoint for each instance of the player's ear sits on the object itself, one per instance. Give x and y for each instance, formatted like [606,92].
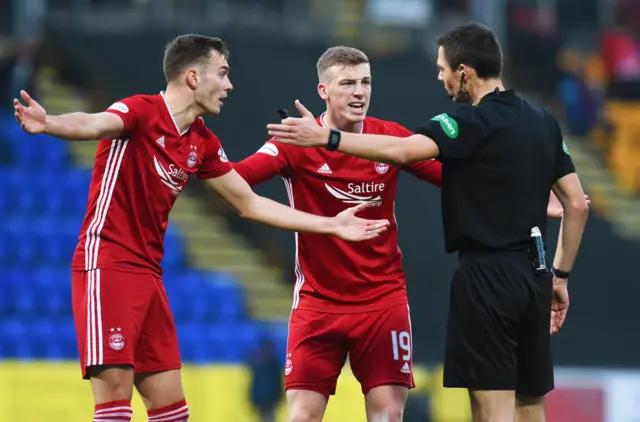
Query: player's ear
[192,78]
[322,91]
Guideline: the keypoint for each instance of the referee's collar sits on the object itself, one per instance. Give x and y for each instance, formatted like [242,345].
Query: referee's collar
[508,94]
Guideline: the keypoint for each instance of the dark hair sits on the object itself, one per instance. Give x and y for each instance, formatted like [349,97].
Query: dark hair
[188,49]
[474,45]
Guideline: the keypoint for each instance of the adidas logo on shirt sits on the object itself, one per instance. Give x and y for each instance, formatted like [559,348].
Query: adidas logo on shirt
[160,141]
[405,368]
[325,169]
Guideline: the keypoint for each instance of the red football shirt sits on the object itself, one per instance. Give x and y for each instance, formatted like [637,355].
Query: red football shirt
[136,180]
[333,275]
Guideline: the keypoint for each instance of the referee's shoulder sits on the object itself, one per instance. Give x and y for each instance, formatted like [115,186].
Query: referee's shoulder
[538,110]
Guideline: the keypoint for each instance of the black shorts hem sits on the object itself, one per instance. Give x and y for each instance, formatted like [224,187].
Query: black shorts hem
[519,391]
[479,386]
[534,392]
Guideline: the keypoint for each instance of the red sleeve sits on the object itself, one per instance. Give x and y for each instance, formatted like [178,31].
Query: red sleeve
[429,170]
[130,110]
[270,160]
[215,163]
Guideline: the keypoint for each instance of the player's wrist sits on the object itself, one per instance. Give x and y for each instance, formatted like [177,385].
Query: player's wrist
[560,274]
[331,226]
[47,124]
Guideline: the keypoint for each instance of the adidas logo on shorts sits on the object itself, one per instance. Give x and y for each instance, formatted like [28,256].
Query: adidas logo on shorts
[405,368]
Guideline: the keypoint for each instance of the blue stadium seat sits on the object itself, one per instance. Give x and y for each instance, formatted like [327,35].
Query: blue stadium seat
[74,192]
[232,302]
[5,197]
[6,246]
[58,339]
[6,296]
[54,287]
[191,339]
[174,257]
[12,341]
[37,150]
[230,343]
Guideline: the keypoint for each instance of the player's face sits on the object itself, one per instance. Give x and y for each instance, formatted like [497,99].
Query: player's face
[347,91]
[452,79]
[213,85]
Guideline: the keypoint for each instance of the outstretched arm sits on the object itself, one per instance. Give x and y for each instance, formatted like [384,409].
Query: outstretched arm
[33,119]
[269,161]
[305,132]
[237,193]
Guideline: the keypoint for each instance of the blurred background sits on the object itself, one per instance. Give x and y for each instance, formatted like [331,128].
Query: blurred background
[230,281]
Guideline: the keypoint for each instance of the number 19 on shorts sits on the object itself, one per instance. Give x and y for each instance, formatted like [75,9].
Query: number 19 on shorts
[401,343]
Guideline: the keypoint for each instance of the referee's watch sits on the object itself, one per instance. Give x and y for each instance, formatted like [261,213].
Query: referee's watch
[560,274]
[334,140]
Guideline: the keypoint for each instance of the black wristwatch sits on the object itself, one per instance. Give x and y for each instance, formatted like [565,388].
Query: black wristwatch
[334,140]
[560,274]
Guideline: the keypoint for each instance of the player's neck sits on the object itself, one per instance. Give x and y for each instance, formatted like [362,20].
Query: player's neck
[336,122]
[483,87]
[182,108]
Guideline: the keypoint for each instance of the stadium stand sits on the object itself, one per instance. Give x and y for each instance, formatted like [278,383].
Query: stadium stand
[600,94]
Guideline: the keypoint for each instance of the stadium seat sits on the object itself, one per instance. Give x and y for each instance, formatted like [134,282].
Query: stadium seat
[12,341]
[6,296]
[37,150]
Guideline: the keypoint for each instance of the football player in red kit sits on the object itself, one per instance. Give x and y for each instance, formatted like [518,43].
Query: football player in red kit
[151,145]
[357,306]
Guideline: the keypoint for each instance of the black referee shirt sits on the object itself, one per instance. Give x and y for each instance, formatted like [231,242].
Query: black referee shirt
[500,159]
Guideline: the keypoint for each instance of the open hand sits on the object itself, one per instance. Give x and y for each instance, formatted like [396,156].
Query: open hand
[300,131]
[32,117]
[355,229]
[559,304]
[555,210]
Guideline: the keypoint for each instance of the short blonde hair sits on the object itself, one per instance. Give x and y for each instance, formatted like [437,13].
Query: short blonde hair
[340,56]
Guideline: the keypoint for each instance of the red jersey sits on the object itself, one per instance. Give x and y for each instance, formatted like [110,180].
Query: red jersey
[136,180]
[333,275]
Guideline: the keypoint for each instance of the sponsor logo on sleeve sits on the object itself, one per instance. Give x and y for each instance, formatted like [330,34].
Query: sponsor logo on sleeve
[222,155]
[269,149]
[121,107]
[448,125]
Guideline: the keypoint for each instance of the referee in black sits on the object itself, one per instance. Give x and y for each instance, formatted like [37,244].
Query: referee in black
[501,157]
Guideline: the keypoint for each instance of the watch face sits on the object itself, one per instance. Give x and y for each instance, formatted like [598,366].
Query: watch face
[334,140]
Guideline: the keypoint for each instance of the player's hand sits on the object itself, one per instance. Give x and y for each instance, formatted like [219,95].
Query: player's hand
[300,131]
[32,117]
[559,304]
[555,210]
[354,229]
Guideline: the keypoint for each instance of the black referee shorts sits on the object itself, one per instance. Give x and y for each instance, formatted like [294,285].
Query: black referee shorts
[498,328]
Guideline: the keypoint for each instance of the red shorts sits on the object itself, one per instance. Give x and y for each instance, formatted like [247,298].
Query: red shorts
[123,318]
[379,345]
